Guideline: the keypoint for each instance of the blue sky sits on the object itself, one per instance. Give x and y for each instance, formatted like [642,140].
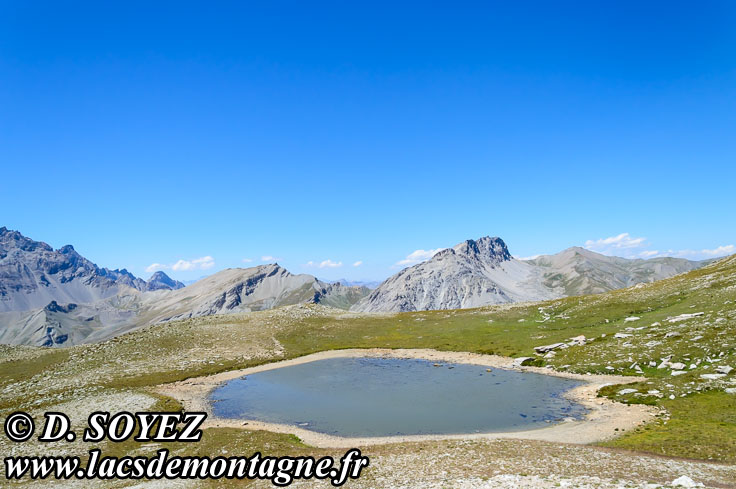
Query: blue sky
[206,134]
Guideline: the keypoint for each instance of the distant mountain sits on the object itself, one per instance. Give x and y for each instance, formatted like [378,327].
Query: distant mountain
[32,274]
[371,284]
[161,281]
[251,289]
[230,291]
[57,297]
[471,274]
[482,272]
[577,271]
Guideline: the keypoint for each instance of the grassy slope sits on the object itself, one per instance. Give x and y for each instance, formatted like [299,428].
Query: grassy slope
[700,422]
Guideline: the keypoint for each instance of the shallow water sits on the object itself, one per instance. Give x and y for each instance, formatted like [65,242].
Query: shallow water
[362,397]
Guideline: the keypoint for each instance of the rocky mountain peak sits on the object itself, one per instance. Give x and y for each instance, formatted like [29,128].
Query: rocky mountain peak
[160,281]
[487,248]
[33,274]
[10,239]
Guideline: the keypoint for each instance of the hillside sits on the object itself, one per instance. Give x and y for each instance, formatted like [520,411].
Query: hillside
[697,406]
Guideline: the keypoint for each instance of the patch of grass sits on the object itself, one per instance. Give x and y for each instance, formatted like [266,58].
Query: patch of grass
[702,426]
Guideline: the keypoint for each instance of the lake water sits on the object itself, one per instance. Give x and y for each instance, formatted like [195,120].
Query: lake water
[363,397]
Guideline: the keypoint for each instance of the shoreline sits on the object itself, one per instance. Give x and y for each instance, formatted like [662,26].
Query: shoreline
[605,418]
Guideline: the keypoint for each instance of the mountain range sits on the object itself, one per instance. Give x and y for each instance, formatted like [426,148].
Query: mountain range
[57,297]
[32,274]
[481,272]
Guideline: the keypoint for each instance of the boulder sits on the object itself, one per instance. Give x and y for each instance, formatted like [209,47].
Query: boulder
[712,376]
[546,348]
[522,361]
[623,392]
[578,340]
[685,481]
[684,317]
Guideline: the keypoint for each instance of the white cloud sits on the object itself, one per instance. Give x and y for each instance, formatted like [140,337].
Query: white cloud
[357,263]
[324,264]
[629,247]
[621,242]
[417,256]
[203,263]
[527,257]
[720,251]
[269,258]
[330,264]
[704,253]
[154,267]
[247,260]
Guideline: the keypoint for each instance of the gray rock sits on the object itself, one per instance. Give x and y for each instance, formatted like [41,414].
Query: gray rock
[522,361]
[548,348]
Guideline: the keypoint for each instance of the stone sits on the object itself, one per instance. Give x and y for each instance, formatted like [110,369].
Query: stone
[522,361]
[712,376]
[685,481]
[578,340]
[684,317]
[546,348]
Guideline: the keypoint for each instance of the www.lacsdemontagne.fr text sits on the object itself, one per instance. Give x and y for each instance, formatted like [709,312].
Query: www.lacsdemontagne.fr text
[159,427]
[281,471]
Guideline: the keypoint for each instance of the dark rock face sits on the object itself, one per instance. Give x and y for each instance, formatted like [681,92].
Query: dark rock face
[54,307]
[487,249]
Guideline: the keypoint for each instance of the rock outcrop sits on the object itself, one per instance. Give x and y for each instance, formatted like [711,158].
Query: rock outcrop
[471,274]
